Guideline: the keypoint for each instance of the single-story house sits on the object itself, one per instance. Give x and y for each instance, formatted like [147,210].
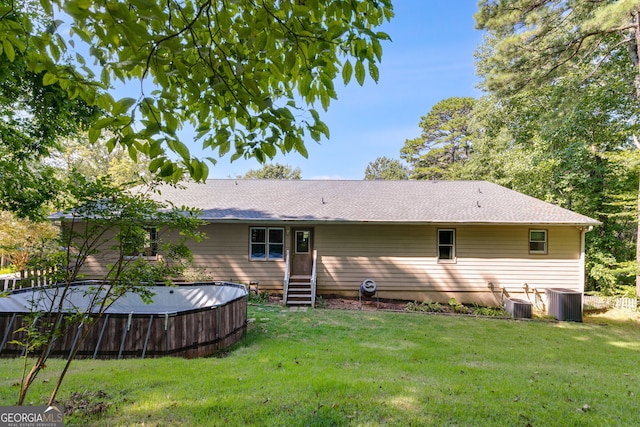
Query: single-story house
[416,240]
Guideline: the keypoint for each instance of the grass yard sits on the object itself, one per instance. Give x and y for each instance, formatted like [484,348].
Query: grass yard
[361,368]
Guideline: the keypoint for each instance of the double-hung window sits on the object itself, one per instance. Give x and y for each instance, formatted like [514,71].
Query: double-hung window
[266,243]
[446,245]
[538,242]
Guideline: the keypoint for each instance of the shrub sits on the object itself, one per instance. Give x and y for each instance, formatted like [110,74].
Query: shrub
[489,311]
[457,307]
[427,306]
[258,298]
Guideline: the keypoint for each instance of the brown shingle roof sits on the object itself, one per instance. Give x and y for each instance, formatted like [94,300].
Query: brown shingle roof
[476,202]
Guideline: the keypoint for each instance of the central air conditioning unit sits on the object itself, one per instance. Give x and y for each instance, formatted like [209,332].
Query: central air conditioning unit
[518,308]
[564,304]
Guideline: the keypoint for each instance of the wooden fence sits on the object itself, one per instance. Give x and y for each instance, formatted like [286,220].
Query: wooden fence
[610,302]
[26,279]
[192,333]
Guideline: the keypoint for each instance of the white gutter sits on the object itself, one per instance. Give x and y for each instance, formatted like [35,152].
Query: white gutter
[398,222]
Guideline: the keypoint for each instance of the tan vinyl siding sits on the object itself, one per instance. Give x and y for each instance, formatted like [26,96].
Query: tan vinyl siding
[224,255]
[96,266]
[402,261]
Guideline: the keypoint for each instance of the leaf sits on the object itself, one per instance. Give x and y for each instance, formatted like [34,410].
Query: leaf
[55,52]
[49,79]
[377,48]
[133,153]
[155,149]
[300,148]
[8,50]
[383,36]
[122,105]
[103,123]
[94,134]
[373,71]
[288,143]
[268,149]
[46,6]
[84,4]
[290,59]
[325,99]
[179,148]
[156,164]
[360,73]
[195,169]
[167,168]
[171,124]
[347,72]
[300,11]
[205,170]
[105,101]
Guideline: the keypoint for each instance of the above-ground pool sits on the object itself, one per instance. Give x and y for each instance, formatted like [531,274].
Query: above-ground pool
[189,320]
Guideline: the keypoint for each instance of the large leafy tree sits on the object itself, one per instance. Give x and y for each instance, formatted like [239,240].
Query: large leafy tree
[445,139]
[386,168]
[577,163]
[583,57]
[96,160]
[274,171]
[532,43]
[34,114]
[21,239]
[246,76]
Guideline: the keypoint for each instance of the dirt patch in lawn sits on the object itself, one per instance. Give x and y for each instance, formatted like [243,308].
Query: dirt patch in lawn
[345,303]
[336,302]
[342,303]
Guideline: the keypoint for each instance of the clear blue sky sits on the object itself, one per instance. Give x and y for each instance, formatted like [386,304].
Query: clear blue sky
[429,59]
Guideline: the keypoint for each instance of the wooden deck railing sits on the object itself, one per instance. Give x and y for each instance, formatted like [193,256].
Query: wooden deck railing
[313,279]
[285,282]
[26,279]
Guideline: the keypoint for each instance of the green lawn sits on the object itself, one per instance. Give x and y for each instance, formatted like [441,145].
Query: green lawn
[362,368]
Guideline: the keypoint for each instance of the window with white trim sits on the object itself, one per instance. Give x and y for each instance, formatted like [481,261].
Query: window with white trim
[266,243]
[446,244]
[537,241]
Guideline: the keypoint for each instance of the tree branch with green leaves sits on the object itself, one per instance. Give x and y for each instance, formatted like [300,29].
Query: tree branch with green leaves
[245,76]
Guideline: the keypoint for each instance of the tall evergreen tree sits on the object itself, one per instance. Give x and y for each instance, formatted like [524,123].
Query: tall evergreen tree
[584,55]
[445,139]
[386,168]
[274,171]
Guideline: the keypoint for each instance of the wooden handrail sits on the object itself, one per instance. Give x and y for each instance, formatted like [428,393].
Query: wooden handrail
[313,279]
[285,283]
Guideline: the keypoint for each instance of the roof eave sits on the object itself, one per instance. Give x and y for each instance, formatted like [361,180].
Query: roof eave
[397,222]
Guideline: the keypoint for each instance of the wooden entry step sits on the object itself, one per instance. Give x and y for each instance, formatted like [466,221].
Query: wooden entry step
[303,278]
[300,293]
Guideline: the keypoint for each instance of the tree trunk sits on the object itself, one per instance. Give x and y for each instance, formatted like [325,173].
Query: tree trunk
[638,249]
[634,53]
